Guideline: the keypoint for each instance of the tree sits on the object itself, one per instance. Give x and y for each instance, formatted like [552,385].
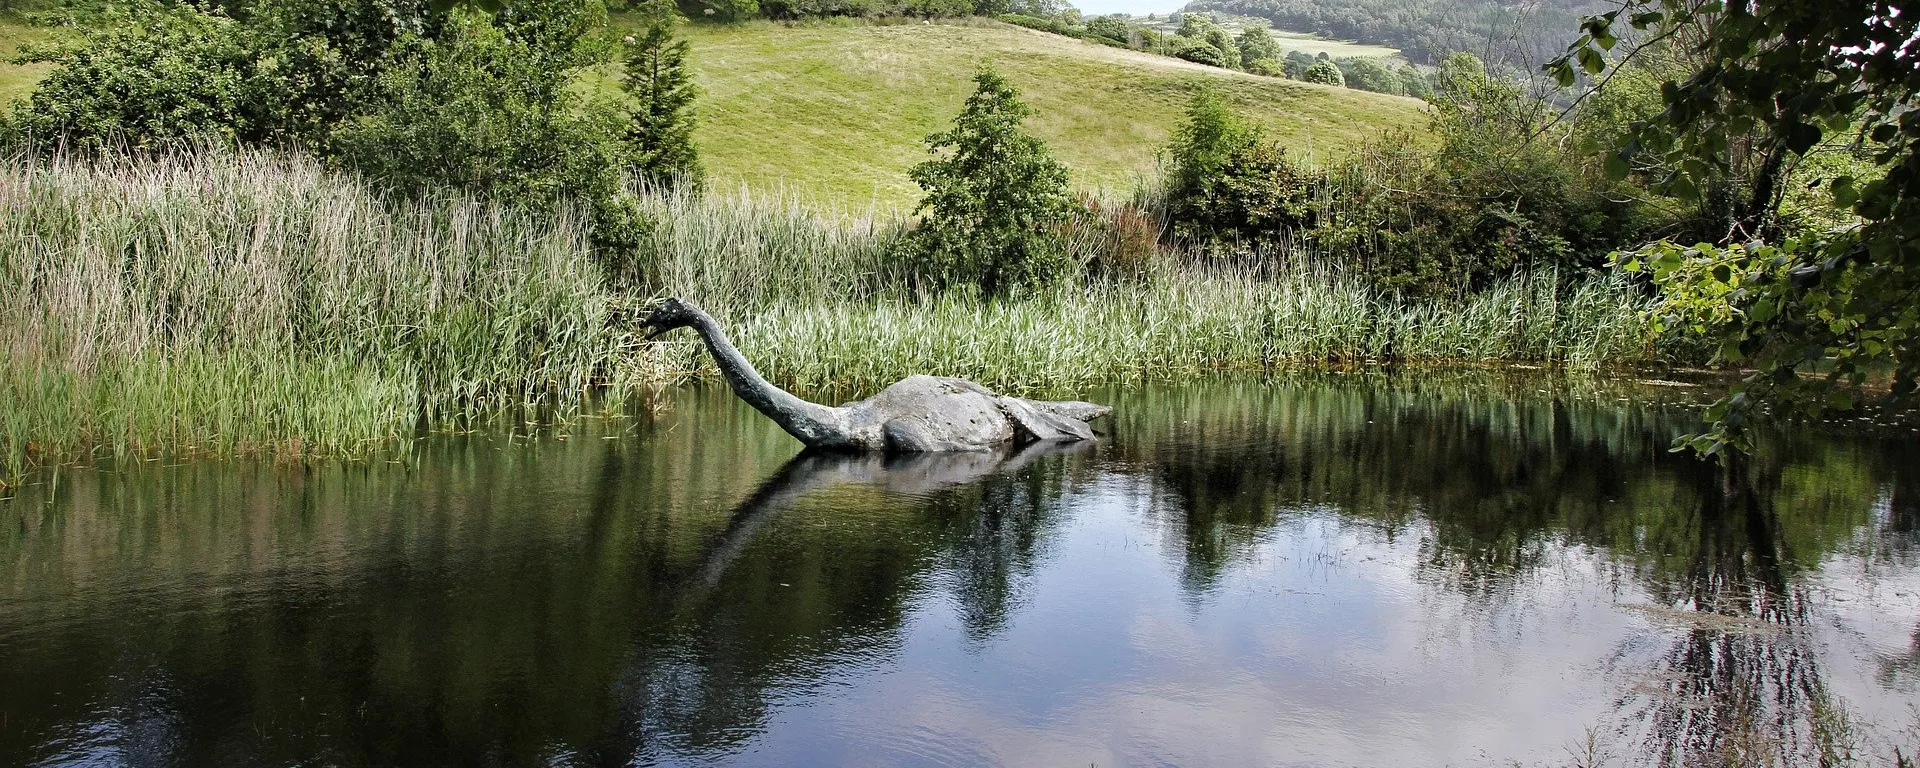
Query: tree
[1256,43]
[1110,27]
[1818,313]
[1370,75]
[659,136]
[1324,73]
[1296,64]
[1414,83]
[994,206]
[1226,182]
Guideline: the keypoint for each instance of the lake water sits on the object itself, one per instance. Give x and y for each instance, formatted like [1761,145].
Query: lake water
[1443,568]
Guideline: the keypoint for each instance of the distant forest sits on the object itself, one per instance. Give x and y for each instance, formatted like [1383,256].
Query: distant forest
[1505,33]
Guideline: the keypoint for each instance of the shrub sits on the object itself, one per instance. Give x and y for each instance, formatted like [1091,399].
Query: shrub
[1223,42]
[1324,73]
[995,207]
[1495,195]
[1370,75]
[1044,25]
[1296,64]
[1227,183]
[1110,28]
[1413,83]
[1267,67]
[479,111]
[175,74]
[1200,52]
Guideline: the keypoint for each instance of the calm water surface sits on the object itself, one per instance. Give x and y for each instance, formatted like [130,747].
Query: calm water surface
[1444,569]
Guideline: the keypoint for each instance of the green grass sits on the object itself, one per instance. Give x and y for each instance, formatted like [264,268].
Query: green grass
[837,113]
[17,80]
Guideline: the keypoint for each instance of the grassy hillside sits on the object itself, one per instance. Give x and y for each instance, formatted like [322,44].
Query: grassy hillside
[837,113]
[16,81]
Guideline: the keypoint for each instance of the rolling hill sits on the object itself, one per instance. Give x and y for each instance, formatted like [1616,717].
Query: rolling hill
[839,112]
[836,113]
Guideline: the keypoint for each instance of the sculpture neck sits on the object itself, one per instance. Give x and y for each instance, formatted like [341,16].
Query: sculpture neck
[813,424]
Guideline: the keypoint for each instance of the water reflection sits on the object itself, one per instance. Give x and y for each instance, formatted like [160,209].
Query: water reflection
[1370,570]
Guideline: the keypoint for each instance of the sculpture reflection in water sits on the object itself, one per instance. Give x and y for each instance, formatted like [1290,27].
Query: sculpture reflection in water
[687,590]
[697,692]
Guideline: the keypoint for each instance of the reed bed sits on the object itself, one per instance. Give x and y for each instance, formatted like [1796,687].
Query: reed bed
[243,302]
[1190,324]
[249,302]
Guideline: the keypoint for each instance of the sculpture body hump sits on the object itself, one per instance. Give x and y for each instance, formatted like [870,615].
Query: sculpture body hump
[917,414]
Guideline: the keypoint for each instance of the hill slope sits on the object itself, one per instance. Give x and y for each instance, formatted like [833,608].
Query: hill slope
[839,112]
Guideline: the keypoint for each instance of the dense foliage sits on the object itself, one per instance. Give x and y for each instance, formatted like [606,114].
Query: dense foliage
[1820,311]
[416,96]
[1496,194]
[995,206]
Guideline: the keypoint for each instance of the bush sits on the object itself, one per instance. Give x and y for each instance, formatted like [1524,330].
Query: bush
[1200,52]
[176,74]
[1413,83]
[995,208]
[1494,196]
[1324,73]
[1296,64]
[1109,28]
[1370,75]
[478,111]
[1227,184]
[1256,43]
[1044,25]
[1267,67]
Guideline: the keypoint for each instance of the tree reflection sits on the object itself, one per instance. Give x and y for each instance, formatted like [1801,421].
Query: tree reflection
[636,600]
[1742,684]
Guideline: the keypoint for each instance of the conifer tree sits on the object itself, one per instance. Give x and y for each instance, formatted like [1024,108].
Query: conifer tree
[995,201]
[659,135]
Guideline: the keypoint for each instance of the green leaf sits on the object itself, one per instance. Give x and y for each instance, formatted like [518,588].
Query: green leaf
[1682,187]
[1616,166]
[1845,194]
[1591,60]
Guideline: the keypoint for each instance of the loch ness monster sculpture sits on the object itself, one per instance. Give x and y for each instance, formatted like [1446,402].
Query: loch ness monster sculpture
[916,414]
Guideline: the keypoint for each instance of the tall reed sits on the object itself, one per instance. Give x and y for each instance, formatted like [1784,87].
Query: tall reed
[1192,322]
[247,301]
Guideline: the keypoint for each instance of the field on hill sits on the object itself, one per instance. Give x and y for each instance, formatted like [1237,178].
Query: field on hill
[837,113]
[16,81]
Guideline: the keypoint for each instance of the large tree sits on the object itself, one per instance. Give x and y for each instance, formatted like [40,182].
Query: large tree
[1824,311]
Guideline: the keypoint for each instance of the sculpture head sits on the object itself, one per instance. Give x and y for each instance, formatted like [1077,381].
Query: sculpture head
[671,314]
